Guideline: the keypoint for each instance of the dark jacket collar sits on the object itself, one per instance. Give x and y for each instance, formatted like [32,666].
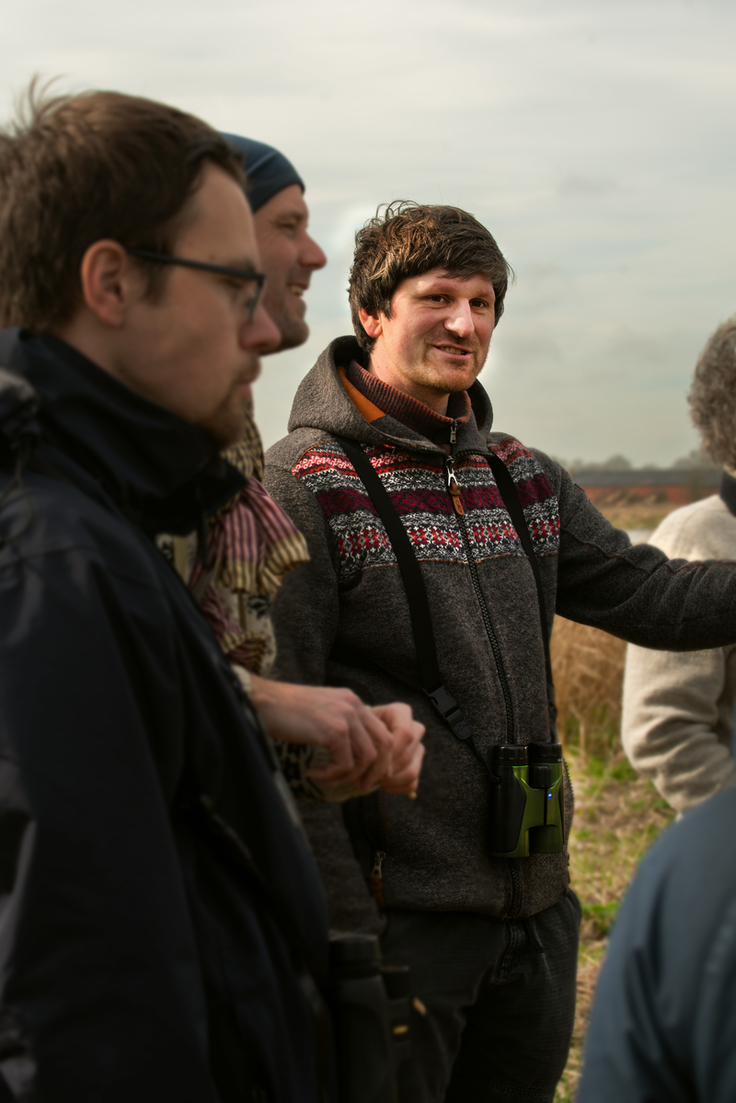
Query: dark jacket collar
[321,402]
[728,491]
[160,471]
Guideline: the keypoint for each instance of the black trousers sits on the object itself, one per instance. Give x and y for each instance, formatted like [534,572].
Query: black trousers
[500,1001]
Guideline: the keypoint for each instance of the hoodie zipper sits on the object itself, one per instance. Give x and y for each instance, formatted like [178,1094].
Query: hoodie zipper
[457,505]
[378,886]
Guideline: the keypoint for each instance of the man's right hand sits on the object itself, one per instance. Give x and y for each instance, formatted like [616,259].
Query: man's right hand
[368,746]
[408,749]
[359,742]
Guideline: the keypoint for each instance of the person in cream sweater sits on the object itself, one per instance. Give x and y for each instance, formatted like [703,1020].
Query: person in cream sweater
[678,707]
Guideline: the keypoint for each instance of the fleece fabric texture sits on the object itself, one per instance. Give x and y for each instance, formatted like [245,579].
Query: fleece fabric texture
[486,620]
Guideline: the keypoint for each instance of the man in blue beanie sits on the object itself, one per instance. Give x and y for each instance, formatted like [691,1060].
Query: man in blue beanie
[289,255]
[362,746]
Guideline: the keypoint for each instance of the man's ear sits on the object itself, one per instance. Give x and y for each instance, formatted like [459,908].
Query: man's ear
[109,281]
[371,323]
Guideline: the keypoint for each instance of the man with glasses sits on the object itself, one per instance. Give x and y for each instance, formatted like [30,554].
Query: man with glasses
[161,915]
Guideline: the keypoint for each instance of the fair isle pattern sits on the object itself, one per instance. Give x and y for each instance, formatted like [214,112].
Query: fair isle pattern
[420,495]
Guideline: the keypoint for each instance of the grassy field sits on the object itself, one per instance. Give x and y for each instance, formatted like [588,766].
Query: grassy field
[617,814]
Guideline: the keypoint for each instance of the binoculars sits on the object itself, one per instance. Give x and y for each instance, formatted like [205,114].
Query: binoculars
[527,800]
[370,1006]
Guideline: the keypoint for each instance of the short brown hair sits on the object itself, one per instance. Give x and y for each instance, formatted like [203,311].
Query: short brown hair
[712,396]
[407,239]
[77,169]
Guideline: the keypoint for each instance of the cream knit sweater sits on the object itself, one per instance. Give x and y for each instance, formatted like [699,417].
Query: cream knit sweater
[678,706]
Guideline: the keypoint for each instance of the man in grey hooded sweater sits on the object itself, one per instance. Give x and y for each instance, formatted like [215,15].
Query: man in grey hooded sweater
[491,940]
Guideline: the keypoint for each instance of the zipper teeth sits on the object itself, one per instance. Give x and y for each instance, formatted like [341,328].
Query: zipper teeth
[515,904]
[515,890]
[489,630]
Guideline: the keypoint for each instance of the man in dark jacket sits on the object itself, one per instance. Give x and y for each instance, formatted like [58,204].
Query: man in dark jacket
[491,937]
[663,1028]
[161,918]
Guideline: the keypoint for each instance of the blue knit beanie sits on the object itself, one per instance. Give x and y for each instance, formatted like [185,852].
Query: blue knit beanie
[268,171]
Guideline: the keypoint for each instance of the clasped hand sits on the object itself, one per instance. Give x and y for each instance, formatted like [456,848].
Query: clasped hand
[368,746]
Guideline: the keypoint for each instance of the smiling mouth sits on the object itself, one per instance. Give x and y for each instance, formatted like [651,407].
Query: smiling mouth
[454,350]
[296,289]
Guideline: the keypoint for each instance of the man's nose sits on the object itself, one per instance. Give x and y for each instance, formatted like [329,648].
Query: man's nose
[261,334]
[460,319]
[311,255]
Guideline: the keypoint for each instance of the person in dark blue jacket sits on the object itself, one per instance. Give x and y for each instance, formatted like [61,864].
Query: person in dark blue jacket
[663,1027]
[161,918]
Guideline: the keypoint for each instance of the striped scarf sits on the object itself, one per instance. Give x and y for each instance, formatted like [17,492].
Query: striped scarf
[252,544]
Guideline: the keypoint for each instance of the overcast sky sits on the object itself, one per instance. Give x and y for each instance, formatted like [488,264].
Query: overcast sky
[595,139]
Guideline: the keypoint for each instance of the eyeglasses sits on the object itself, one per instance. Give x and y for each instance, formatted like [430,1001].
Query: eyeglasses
[257,278]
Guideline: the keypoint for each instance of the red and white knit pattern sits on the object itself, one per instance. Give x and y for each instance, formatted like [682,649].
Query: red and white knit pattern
[419,493]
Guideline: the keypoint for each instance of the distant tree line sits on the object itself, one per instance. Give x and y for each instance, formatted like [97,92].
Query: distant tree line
[693,461]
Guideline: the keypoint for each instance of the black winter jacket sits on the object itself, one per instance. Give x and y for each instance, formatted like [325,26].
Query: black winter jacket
[138,958]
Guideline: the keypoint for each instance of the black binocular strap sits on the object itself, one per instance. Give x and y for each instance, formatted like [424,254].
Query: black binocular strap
[416,592]
[421,618]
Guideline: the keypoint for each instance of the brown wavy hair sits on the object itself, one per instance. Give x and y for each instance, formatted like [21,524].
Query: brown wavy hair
[406,239]
[712,396]
[76,169]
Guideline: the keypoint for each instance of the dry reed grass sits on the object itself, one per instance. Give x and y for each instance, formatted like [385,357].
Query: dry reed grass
[588,671]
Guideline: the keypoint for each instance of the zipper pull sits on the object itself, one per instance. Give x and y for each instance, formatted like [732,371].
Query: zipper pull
[378,888]
[453,487]
[453,431]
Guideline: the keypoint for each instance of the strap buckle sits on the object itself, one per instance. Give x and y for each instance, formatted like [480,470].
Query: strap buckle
[448,708]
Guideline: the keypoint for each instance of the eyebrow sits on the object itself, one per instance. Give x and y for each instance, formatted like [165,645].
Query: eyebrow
[294,213]
[443,281]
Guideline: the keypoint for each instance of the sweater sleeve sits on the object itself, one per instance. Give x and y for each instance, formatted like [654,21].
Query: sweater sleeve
[669,722]
[678,706]
[306,613]
[306,609]
[636,592]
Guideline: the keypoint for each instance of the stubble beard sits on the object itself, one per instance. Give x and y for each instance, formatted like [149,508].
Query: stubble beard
[227,424]
[448,381]
[294,331]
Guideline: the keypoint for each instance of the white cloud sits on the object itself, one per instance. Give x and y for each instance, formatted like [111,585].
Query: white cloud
[593,137]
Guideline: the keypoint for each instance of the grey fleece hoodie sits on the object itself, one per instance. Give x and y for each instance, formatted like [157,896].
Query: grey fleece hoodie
[486,620]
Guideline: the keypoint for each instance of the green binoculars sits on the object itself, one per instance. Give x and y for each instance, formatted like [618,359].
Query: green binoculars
[527,800]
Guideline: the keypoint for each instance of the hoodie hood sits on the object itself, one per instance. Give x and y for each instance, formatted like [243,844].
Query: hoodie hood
[321,402]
